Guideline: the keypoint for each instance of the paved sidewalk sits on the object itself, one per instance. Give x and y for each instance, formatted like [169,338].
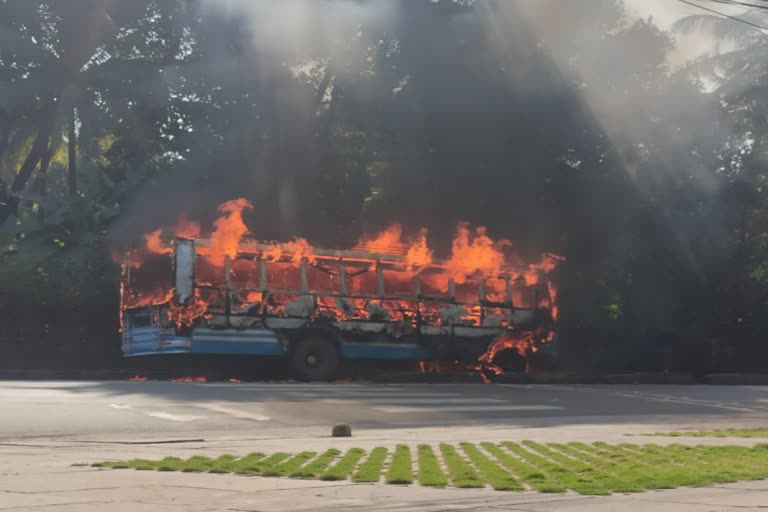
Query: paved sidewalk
[37,475]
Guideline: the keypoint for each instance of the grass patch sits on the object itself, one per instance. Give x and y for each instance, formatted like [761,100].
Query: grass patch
[725,432]
[290,466]
[264,467]
[318,465]
[342,469]
[146,465]
[400,471]
[567,476]
[597,473]
[491,472]
[430,473]
[370,470]
[462,474]
[528,474]
[223,464]
[170,464]
[597,468]
[197,464]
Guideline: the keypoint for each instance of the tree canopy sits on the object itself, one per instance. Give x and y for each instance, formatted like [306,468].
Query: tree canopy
[559,125]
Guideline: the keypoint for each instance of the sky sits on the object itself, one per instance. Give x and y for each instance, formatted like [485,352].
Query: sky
[666,12]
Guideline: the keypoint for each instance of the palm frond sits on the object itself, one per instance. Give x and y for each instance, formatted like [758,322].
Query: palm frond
[722,28]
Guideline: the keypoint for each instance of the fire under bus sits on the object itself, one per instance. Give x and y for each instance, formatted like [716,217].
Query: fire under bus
[321,308]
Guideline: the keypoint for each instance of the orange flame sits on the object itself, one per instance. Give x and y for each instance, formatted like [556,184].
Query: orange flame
[474,256]
[419,254]
[190,379]
[149,298]
[186,314]
[300,249]
[476,253]
[155,243]
[186,228]
[389,240]
[520,342]
[229,229]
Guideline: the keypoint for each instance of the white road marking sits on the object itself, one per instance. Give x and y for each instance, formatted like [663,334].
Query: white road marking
[235,413]
[120,406]
[657,397]
[314,389]
[174,417]
[376,396]
[398,400]
[470,408]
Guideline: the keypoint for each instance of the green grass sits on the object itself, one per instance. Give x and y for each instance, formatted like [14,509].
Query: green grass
[566,475]
[400,471]
[600,474]
[284,464]
[430,473]
[370,470]
[491,472]
[342,469]
[725,432]
[590,469]
[198,464]
[528,474]
[223,464]
[318,465]
[289,466]
[461,473]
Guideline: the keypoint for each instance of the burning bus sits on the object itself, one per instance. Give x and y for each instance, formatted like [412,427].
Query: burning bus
[382,299]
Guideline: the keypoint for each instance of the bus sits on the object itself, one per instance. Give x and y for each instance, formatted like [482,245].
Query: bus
[318,307]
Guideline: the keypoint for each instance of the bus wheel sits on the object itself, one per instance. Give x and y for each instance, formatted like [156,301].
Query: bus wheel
[315,358]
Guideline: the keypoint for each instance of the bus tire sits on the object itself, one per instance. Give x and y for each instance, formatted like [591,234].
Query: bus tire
[315,358]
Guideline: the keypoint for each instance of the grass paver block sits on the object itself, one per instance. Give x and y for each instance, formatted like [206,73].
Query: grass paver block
[590,469]
[370,470]
[345,466]
[400,471]
[430,472]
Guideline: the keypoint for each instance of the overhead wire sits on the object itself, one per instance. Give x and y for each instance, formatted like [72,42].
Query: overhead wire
[724,15]
[742,4]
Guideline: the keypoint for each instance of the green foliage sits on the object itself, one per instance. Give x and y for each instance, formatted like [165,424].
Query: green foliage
[653,189]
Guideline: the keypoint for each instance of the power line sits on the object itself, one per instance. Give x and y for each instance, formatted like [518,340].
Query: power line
[734,18]
[744,4]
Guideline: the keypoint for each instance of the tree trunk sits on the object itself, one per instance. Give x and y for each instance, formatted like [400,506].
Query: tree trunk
[5,132]
[8,202]
[72,154]
[41,186]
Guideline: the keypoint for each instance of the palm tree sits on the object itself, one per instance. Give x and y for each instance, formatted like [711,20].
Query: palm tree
[52,55]
[740,72]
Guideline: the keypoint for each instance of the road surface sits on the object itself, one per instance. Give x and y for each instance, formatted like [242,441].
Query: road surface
[46,427]
[147,409]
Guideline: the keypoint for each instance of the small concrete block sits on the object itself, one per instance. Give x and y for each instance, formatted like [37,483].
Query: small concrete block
[341,430]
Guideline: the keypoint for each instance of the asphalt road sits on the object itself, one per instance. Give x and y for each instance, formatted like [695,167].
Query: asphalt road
[152,410]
